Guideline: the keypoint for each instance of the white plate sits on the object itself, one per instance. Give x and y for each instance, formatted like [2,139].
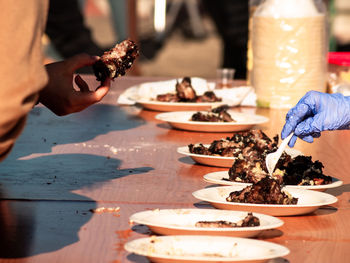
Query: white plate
[145,93]
[308,201]
[181,120]
[195,249]
[219,178]
[177,106]
[182,222]
[220,161]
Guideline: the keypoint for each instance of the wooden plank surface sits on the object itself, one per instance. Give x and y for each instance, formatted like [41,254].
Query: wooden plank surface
[113,156]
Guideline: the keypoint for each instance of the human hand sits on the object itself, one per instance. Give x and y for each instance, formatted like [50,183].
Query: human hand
[316,112]
[60,96]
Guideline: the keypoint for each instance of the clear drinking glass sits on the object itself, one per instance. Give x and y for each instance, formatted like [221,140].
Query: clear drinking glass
[224,78]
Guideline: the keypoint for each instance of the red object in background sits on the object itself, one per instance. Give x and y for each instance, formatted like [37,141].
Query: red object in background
[339,58]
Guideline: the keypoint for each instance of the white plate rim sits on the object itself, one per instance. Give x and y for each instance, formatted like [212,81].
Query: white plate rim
[280,251]
[277,222]
[198,194]
[166,117]
[211,179]
[132,96]
[180,104]
[185,151]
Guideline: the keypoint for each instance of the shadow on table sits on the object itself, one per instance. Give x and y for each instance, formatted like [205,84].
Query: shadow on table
[187,160]
[165,126]
[345,188]
[142,229]
[39,212]
[141,259]
[54,177]
[202,204]
[46,130]
[136,258]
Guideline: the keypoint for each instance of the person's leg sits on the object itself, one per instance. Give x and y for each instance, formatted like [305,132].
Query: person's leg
[231,20]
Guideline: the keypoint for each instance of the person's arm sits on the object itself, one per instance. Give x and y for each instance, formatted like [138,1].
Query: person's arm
[317,112]
[60,96]
[21,68]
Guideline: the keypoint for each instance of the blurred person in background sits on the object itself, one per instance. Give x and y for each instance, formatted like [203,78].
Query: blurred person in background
[231,19]
[26,80]
[67,31]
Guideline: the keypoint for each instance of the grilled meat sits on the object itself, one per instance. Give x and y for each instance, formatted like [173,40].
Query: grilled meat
[114,62]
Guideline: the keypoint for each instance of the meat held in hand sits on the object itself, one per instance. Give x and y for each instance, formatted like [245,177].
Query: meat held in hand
[114,62]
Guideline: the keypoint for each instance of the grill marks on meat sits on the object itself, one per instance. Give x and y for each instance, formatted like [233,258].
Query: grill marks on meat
[208,96]
[218,114]
[116,61]
[300,170]
[249,221]
[168,97]
[266,191]
[250,149]
[252,168]
[186,93]
[254,144]
[198,149]
[303,171]
[243,171]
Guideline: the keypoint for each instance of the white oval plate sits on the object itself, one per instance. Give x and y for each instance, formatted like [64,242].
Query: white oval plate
[182,222]
[177,106]
[219,178]
[220,161]
[181,120]
[308,201]
[169,249]
[145,93]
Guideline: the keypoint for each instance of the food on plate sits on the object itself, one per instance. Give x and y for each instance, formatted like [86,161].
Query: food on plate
[300,170]
[254,142]
[186,93]
[249,221]
[266,191]
[249,150]
[218,114]
[114,62]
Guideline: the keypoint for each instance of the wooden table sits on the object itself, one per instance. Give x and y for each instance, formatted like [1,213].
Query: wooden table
[112,156]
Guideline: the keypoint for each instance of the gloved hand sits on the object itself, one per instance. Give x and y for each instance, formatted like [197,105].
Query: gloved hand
[316,112]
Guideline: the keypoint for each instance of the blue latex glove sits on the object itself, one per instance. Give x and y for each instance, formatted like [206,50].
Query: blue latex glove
[316,112]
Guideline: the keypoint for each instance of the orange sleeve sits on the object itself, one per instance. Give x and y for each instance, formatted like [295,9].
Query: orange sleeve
[22,72]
